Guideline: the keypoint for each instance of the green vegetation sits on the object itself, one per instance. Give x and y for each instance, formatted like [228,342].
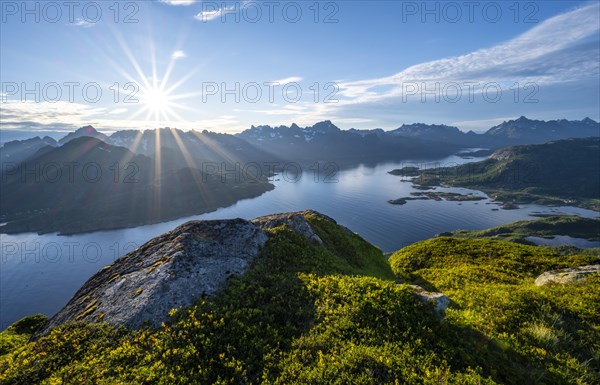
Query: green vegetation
[571,225]
[338,313]
[545,335]
[564,172]
[19,333]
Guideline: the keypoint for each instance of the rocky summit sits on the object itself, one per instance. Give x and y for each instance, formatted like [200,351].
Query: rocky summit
[174,270]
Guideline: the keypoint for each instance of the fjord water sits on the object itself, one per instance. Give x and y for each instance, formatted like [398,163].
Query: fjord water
[39,274]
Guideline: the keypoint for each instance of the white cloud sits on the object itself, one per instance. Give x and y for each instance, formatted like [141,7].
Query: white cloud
[211,12]
[559,51]
[291,79]
[45,112]
[60,116]
[551,52]
[178,55]
[80,22]
[350,120]
[16,115]
[178,2]
[205,16]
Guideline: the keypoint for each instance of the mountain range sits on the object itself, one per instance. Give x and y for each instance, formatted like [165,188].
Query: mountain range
[417,141]
[179,173]
[321,142]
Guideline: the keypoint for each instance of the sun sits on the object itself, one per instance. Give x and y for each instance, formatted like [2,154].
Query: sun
[157,102]
[153,93]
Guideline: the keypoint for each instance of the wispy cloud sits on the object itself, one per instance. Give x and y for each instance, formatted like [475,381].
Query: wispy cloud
[178,2]
[178,55]
[80,22]
[291,79]
[559,51]
[29,115]
[287,110]
[118,111]
[65,116]
[212,14]
[223,123]
[555,51]
[211,10]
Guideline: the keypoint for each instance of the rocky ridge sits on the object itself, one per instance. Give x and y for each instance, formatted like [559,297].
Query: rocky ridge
[174,270]
[177,268]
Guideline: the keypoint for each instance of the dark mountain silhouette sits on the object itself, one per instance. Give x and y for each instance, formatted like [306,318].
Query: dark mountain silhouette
[88,131]
[527,131]
[327,143]
[89,185]
[18,150]
[178,149]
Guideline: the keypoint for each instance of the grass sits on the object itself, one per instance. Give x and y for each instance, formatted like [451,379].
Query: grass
[554,330]
[19,333]
[340,313]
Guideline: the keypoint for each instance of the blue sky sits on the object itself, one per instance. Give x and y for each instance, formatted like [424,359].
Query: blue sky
[374,63]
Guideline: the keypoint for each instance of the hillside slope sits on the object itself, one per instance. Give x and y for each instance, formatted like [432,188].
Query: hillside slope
[320,305]
[88,185]
[564,172]
[547,227]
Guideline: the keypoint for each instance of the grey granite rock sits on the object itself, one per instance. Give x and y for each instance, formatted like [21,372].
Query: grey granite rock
[440,300]
[169,271]
[174,270]
[295,221]
[564,276]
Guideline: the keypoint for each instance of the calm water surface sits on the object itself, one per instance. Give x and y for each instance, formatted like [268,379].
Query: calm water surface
[39,274]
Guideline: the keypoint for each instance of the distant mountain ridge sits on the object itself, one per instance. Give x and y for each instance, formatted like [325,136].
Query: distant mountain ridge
[84,131]
[527,131]
[323,141]
[17,151]
[436,132]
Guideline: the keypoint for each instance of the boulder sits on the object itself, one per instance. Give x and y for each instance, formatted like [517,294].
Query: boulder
[564,276]
[440,300]
[169,271]
[174,270]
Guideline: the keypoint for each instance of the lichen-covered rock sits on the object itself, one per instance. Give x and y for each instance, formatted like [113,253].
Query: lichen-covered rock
[169,271]
[440,300]
[295,221]
[174,270]
[564,276]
